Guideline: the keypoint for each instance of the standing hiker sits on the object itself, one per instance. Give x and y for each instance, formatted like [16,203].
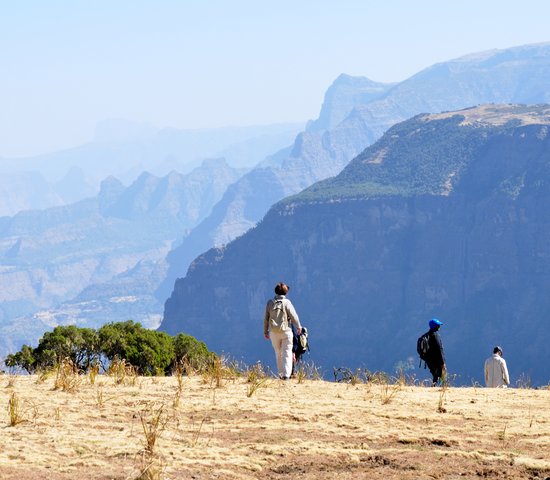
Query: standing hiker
[278,317]
[430,349]
[496,372]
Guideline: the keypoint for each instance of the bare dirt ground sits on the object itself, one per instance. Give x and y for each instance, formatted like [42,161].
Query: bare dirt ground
[281,430]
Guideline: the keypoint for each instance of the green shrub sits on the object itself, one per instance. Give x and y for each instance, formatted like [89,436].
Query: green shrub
[148,352]
[80,345]
[23,359]
[190,352]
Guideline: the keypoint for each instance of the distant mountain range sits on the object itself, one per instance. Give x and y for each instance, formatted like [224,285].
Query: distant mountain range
[99,259]
[125,149]
[105,257]
[355,113]
[446,215]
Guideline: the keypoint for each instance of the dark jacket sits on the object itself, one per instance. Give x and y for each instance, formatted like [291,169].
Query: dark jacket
[436,355]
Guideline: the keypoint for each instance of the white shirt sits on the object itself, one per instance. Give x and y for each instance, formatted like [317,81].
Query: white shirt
[496,373]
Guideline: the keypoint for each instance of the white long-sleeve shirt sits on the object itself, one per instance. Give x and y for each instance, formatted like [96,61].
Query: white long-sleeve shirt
[496,372]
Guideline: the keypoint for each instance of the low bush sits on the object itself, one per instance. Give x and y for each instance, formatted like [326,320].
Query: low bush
[144,351]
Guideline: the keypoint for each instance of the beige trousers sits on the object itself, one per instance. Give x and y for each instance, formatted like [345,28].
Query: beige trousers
[282,344]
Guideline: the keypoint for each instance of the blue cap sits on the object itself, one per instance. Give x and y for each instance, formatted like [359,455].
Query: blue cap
[434,322]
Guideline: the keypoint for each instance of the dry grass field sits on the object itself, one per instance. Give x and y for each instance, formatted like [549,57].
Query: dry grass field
[192,428]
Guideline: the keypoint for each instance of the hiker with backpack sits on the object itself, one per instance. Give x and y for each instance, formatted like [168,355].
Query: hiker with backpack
[430,349]
[278,317]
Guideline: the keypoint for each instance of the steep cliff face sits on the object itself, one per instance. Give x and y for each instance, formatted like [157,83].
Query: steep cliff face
[445,216]
[342,96]
[313,157]
[355,113]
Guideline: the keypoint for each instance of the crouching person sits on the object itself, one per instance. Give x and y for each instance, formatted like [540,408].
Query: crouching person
[278,317]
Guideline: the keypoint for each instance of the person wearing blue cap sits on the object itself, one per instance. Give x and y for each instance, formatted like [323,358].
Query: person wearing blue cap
[435,359]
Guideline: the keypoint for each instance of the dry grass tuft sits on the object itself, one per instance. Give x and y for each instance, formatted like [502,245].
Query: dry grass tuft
[93,372]
[15,410]
[388,391]
[442,398]
[153,421]
[178,374]
[253,386]
[218,371]
[308,371]
[67,378]
[256,372]
[150,472]
[256,378]
[122,372]
[45,375]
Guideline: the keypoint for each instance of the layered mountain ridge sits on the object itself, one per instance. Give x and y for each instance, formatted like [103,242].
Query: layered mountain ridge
[100,259]
[515,75]
[125,149]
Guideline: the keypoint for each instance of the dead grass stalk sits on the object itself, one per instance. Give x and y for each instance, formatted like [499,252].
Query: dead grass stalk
[67,378]
[15,410]
[153,421]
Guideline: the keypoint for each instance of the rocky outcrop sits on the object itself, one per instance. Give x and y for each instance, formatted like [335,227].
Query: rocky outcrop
[445,216]
[343,96]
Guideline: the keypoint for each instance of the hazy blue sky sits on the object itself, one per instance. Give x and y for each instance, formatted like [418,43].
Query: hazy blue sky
[67,64]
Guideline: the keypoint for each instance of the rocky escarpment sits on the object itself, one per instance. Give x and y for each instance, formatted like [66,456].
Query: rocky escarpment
[343,96]
[317,153]
[445,216]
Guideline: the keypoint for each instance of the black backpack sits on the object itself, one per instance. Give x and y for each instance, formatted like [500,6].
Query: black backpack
[422,347]
[300,343]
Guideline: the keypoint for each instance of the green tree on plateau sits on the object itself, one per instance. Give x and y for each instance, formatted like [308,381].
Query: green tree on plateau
[150,351]
[24,359]
[190,349]
[80,345]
